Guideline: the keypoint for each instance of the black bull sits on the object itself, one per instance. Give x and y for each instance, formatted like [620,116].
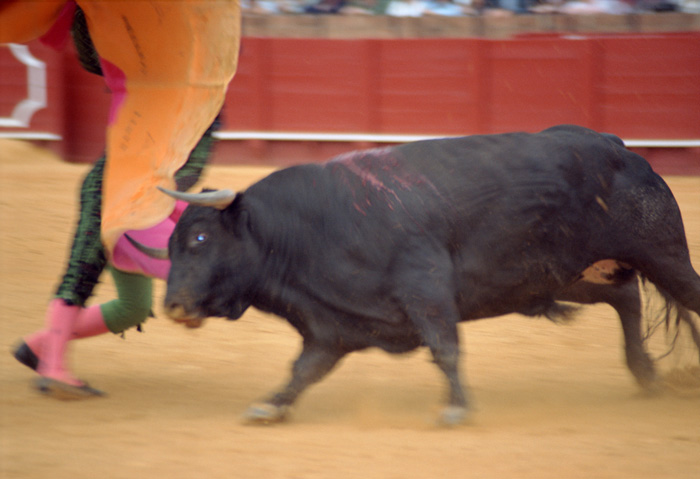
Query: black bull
[392,247]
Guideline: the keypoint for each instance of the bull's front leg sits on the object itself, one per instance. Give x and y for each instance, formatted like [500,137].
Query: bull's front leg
[438,328]
[315,361]
[429,305]
[444,346]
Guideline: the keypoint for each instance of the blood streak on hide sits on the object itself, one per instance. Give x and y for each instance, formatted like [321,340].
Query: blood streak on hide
[367,164]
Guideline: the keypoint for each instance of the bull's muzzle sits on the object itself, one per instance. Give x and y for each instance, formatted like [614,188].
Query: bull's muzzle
[178,313]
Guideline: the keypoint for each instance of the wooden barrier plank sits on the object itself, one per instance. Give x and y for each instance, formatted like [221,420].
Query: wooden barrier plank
[651,86]
[428,86]
[538,82]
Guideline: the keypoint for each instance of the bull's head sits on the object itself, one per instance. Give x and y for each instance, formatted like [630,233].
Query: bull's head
[212,256]
[219,199]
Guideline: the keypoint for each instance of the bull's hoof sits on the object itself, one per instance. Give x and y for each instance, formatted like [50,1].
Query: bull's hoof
[265,414]
[453,416]
[651,387]
[195,323]
[64,391]
[191,323]
[684,382]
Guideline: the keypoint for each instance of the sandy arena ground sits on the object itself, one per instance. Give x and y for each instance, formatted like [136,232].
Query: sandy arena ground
[552,401]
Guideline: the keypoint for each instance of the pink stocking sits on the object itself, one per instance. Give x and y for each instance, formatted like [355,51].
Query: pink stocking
[126,257]
[89,322]
[60,319]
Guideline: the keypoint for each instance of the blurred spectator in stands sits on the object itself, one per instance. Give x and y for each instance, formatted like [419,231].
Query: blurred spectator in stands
[405,8]
[657,5]
[325,6]
[418,8]
[494,8]
[471,7]
[364,7]
[579,7]
[547,6]
[444,8]
[268,7]
[689,6]
[338,7]
[378,7]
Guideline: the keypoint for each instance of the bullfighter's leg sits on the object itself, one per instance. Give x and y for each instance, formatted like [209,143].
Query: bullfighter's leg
[314,363]
[56,379]
[86,263]
[625,297]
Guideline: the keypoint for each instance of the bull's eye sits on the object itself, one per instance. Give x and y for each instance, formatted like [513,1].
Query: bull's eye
[198,239]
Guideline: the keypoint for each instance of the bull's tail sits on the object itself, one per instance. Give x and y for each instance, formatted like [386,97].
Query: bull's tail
[673,332]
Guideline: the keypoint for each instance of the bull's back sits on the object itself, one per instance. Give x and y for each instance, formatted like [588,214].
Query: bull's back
[464,185]
[567,154]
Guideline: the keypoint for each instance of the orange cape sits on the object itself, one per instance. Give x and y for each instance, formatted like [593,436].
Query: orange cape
[168,64]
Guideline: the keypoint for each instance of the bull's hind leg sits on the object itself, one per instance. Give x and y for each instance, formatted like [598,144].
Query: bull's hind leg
[624,296]
[646,232]
[676,279]
[674,275]
[650,236]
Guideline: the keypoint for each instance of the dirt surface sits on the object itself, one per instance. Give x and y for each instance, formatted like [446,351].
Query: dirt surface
[551,401]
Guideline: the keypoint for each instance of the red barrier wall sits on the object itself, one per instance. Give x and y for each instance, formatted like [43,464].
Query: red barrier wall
[14,90]
[636,86]
[641,87]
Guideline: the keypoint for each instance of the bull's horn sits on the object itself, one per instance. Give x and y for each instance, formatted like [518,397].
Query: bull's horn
[219,199]
[156,253]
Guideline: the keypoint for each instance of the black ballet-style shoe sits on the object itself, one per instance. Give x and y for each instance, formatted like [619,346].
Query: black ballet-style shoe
[64,391]
[26,356]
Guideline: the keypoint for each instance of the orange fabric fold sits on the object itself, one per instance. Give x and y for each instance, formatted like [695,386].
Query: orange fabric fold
[22,21]
[176,59]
